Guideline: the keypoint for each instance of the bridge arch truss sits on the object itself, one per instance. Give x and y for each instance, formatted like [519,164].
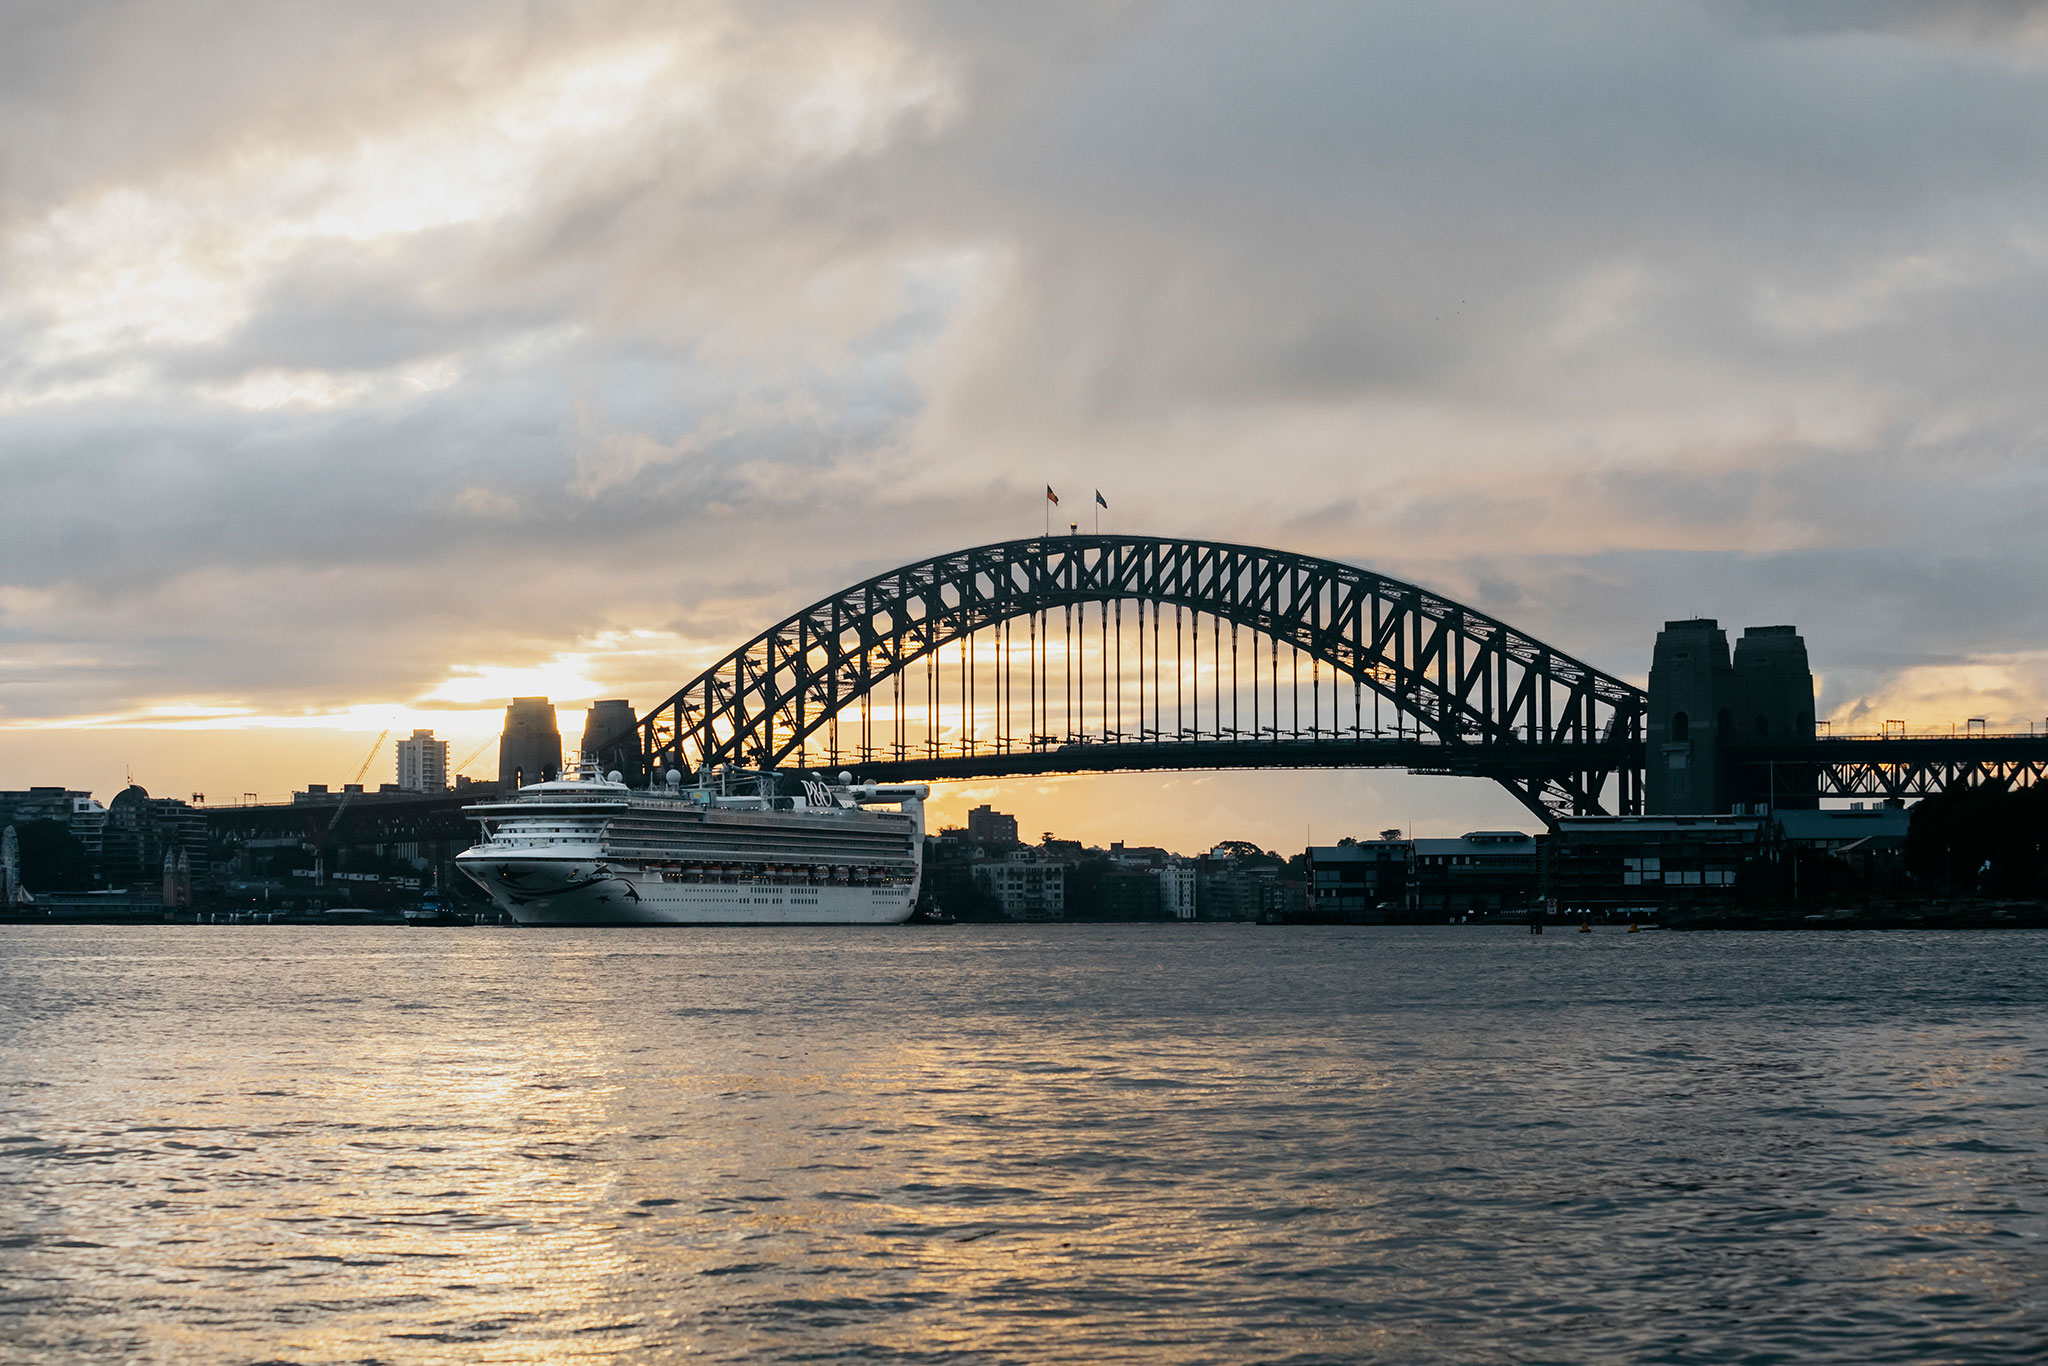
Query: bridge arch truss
[1069,635]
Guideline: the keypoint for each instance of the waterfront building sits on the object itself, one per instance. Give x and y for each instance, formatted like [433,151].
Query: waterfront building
[1121,894]
[1281,899]
[1357,882]
[82,817]
[141,829]
[1860,827]
[1025,884]
[1226,894]
[422,763]
[1651,864]
[1237,880]
[384,844]
[1869,839]
[1484,872]
[1136,855]
[986,825]
[1177,889]
[530,749]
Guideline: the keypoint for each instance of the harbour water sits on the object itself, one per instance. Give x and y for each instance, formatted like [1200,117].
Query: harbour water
[1021,1144]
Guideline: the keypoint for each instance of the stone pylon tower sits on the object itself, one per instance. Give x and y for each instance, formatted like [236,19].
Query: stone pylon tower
[611,735]
[530,750]
[1692,690]
[1709,713]
[1774,705]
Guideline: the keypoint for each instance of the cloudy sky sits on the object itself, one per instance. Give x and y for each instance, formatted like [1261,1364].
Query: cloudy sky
[367,364]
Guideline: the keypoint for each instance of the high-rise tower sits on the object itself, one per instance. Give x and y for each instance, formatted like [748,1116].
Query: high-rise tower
[423,763]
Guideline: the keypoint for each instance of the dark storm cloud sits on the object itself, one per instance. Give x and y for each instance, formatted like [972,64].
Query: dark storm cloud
[1397,200]
[1598,313]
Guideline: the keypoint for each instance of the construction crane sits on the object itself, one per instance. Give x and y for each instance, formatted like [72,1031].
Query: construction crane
[356,781]
[473,756]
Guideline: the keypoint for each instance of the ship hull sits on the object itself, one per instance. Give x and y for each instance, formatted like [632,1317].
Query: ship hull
[595,891]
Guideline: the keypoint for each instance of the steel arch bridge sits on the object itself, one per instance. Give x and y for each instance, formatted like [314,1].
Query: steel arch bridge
[1100,652]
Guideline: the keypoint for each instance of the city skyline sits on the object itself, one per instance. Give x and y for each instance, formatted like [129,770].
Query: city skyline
[376,368]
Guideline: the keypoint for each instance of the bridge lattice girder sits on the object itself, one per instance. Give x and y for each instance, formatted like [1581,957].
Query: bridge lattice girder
[1898,769]
[1466,678]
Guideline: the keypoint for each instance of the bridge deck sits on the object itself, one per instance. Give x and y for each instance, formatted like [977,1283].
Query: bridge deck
[1845,766]
[1417,756]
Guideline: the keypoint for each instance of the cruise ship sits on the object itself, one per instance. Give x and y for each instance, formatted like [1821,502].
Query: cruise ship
[590,850]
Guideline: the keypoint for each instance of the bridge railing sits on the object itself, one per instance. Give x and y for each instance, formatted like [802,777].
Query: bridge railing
[1950,732]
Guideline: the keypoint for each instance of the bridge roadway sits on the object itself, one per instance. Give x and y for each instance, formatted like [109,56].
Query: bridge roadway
[1857,766]
[1498,761]
[1901,767]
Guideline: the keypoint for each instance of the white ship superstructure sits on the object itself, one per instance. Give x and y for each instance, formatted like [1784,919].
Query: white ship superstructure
[592,851]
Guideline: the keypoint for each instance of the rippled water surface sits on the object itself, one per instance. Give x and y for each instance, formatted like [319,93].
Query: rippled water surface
[1031,1144]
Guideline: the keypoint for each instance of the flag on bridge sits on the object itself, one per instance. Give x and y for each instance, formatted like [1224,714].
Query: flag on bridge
[1100,501]
[1051,497]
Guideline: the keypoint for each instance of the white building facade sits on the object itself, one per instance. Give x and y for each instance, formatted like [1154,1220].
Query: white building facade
[423,763]
[1177,889]
[1026,887]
